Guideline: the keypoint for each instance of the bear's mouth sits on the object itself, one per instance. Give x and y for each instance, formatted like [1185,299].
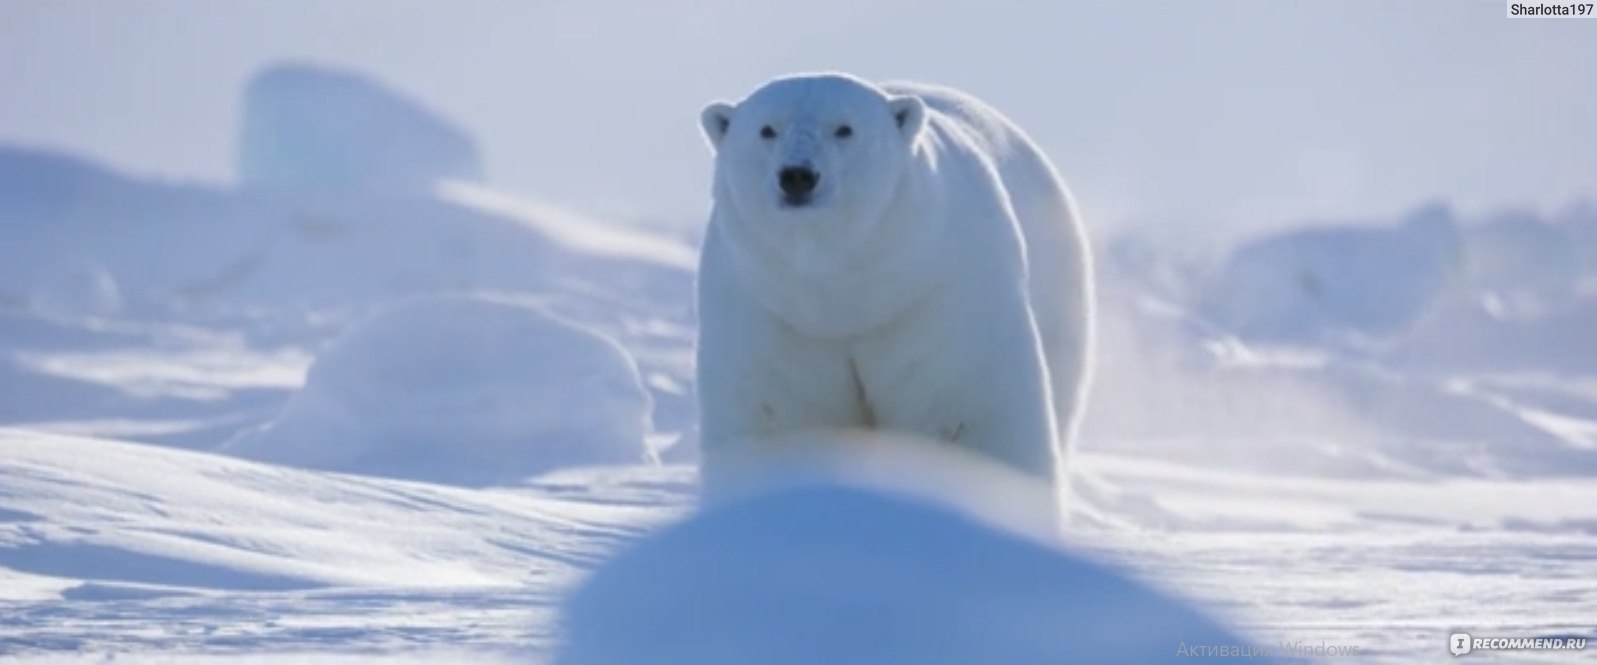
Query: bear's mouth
[797,200]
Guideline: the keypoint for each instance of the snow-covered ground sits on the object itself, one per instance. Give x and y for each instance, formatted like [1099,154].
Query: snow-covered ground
[356,409]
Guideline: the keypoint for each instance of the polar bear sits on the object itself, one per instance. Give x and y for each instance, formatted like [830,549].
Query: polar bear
[897,257]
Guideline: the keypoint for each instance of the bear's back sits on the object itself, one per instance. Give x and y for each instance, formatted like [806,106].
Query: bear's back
[1059,279]
[974,119]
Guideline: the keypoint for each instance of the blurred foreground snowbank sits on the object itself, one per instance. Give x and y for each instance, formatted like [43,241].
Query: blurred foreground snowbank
[876,552]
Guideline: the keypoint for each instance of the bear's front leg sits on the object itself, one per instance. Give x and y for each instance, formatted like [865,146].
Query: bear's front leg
[968,374]
[759,380]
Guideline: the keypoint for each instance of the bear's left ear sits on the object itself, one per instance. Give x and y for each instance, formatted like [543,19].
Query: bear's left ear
[910,114]
[716,119]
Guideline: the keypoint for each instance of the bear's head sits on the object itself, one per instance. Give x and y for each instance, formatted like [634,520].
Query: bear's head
[812,147]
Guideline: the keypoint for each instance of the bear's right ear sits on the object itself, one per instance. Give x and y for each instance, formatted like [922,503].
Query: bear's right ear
[716,119]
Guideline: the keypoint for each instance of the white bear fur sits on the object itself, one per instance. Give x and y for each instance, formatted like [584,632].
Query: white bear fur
[938,284]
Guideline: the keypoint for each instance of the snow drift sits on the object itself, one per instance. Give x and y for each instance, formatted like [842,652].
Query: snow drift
[99,519]
[462,390]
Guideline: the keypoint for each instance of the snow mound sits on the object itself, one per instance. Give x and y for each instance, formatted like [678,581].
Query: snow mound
[1305,284]
[462,389]
[847,572]
[310,128]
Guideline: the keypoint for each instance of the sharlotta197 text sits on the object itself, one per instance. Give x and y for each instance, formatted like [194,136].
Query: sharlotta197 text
[1550,10]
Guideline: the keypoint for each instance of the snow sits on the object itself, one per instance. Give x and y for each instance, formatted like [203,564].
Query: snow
[461,389]
[1525,264]
[121,547]
[209,522]
[572,231]
[153,553]
[398,415]
[842,573]
[1335,279]
[313,128]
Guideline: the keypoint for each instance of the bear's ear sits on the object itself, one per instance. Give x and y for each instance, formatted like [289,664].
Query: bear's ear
[716,119]
[910,114]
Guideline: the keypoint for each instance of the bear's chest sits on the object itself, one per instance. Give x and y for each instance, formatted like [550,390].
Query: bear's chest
[830,289]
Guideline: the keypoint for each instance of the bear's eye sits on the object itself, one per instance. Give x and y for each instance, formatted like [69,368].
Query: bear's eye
[767,132]
[843,132]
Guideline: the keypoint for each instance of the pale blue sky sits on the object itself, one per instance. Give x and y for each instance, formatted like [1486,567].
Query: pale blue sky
[1199,113]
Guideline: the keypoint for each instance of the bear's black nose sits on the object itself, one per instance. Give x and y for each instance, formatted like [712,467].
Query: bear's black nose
[797,181]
